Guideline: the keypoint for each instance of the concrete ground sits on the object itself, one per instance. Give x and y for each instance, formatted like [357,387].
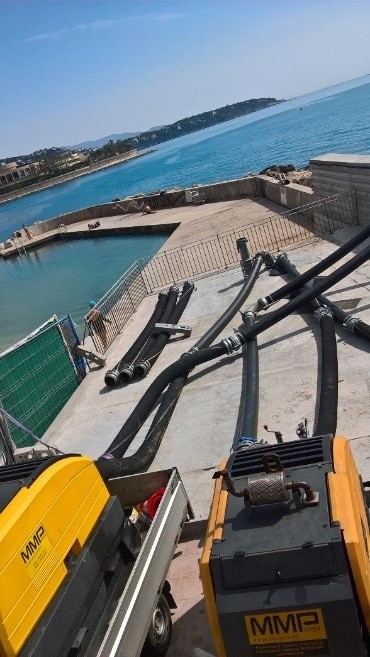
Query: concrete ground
[205,420]
[194,223]
[203,425]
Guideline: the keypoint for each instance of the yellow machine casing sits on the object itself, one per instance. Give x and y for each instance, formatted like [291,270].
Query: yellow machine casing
[348,508]
[44,523]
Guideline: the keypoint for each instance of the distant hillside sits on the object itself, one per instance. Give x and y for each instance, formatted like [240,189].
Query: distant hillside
[199,121]
[97,143]
[123,136]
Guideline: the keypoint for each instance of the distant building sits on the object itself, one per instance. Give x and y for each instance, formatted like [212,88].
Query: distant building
[14,172]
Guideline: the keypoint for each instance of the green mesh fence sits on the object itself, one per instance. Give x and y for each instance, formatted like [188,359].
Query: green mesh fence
[37,377]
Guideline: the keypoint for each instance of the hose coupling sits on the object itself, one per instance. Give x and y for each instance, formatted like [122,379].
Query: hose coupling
[322,311]
[263,303]
[193,350]
[350,323]
[108,456]
[142,368]
[233,343]
[111,378]
[281,255]
[126,373]
[268,259]
[243,442]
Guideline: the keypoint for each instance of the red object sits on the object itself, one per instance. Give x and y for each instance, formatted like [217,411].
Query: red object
[151,505]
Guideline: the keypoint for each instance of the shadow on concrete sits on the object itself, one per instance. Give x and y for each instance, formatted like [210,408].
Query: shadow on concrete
[191,632]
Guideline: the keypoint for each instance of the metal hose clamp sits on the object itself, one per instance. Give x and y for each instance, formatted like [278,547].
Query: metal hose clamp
[350,323]
[232,343]
[322,311]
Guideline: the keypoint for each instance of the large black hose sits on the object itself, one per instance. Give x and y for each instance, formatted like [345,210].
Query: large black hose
[188,361]
[173,293]
[316,269]
[231,311]
[123,370]
[250,392]
[326,422]
[328,399]
[349,322]
[311,293]
[150,445]
[147,360]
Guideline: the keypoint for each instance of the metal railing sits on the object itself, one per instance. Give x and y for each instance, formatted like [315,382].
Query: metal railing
[201,257]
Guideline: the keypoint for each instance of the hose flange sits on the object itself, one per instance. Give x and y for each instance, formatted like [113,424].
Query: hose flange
[111,378]
[142,368]
[126,373]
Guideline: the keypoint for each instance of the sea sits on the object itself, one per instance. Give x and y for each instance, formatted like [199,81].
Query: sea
[61,278]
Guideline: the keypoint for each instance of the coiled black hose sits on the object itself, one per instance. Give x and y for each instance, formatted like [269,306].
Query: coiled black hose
[149,447]
[123,370]
[188,361]
[317,269]
[147,360]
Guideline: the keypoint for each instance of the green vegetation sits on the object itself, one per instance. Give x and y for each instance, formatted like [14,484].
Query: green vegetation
[199,121]
[57,161]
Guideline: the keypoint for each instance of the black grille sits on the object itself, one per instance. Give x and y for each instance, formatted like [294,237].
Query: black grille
[19,470]
[294,453]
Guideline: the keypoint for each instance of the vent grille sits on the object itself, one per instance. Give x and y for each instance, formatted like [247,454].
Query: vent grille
[19,471]
[294,453]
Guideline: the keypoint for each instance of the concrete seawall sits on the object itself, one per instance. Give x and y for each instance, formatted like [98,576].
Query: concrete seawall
[253,186]
[129,210]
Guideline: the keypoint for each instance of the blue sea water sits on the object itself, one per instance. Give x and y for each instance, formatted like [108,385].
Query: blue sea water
[334,119]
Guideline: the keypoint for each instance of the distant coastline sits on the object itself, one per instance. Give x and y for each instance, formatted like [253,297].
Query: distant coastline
[67,177]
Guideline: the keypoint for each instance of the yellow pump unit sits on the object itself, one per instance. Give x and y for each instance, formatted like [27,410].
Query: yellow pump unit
[61,538]
[286,563]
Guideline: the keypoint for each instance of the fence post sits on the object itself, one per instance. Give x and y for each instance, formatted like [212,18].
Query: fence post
[144,279]
[221,251]
[169,267]
[129,296]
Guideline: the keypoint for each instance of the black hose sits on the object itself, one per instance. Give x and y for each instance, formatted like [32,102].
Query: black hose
[306,296]
[349,322]
[188,361]
[146,452]
[326,422]
[317,269]
[231,311]
[141,412]
[250,392]
[123,370]
[146,362]
[152,341]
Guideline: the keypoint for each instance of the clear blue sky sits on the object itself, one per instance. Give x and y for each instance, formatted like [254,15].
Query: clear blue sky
[79,70]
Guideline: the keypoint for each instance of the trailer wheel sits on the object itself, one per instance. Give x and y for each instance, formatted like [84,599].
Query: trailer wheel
[160,631]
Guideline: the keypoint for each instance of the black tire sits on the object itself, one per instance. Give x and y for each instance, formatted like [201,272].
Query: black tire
[160,631]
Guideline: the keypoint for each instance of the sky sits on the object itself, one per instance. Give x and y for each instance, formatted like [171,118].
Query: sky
[82,69]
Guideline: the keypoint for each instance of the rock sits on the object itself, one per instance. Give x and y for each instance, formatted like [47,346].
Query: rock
[278,168]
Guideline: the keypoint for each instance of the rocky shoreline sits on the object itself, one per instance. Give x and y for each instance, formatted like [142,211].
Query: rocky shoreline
[287,173]
[66,177]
